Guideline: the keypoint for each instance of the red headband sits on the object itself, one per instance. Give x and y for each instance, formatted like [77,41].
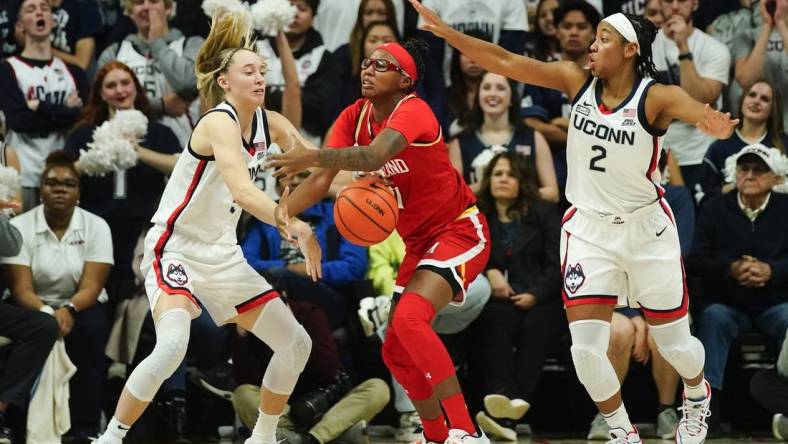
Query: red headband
[403,58]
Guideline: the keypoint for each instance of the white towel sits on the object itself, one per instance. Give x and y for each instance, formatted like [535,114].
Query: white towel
[49,416]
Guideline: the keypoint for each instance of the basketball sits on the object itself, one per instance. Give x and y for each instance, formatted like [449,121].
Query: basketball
[365,212]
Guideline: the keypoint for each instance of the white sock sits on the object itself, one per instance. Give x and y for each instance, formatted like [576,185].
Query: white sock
[265,427]
[618,419]
[116,429]
[696,393]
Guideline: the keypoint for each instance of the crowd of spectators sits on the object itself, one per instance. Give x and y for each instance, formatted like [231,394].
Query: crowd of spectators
[68,246]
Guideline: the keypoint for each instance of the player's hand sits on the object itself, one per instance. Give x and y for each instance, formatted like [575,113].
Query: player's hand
[282,216]
[298,158]
[717,124]
[373,176]
[432,22]
[523,301]
[310,248]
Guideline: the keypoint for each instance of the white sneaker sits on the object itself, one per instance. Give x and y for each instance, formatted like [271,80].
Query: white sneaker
[621,436]
[692,427]
[666,423]
[422,440]
[780,426]
[459,436]
[373,313]
[106,439]
[599,428]
[409,428]
[500,406]
[495,429]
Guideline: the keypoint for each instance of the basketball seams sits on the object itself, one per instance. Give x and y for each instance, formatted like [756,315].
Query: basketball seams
[360,210]
[374,213]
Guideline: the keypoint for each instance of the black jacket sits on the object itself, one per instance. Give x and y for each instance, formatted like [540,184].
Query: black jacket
[535,240]
[723,234]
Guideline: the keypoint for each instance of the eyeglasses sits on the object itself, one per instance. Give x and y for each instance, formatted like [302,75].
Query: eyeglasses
[756,168]
[68,184]
[382,65]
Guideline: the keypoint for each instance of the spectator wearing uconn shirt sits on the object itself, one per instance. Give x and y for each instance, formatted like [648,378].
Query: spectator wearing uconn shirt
[505,20]
[64,263]
[314,67]
[42,95]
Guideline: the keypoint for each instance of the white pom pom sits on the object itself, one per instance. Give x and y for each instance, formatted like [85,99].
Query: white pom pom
[480,162]
[9,184]
[130,123]
[95,161]
[211,6]
[112,147]
[272,16]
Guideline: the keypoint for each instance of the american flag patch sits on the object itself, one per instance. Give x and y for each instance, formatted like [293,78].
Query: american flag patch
[629,112]
[260,146]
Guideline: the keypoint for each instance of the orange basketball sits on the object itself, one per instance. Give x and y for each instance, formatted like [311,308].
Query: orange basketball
[365,212]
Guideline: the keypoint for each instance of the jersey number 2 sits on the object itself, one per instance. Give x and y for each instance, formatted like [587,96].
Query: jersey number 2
[602,154]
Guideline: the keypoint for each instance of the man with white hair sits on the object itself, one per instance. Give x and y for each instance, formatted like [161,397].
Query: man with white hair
[741,252]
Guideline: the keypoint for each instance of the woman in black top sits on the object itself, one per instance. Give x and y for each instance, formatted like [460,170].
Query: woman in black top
[525,311]
[126,199]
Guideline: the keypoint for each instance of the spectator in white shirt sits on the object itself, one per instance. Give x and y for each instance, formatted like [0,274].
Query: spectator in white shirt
[690,58]
[61,269]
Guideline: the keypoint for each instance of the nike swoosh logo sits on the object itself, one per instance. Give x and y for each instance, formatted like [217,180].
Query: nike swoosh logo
[587,104]
[659,233]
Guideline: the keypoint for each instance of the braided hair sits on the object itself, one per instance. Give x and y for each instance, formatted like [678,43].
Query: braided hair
[419,50]
[646,32]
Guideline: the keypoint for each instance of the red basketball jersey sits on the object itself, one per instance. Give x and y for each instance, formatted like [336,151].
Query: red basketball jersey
[430,192]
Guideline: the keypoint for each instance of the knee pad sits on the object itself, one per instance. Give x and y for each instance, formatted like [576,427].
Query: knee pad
[411,311]
[590,340]
[278,328]
[172,341]
[404,370]
[682,350]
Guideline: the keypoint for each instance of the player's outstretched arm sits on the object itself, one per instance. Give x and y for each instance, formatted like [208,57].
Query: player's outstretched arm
[673,103]
[218,131]
[565,76]
[358,158]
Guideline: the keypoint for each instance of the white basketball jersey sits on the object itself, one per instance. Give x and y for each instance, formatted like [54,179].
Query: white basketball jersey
[612,156]
[52,83]
[156,85]
[197,202]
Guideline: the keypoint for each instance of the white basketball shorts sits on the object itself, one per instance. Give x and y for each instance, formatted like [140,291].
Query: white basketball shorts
[628,259]
[217,276]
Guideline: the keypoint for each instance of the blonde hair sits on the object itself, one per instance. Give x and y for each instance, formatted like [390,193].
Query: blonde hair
[230,32]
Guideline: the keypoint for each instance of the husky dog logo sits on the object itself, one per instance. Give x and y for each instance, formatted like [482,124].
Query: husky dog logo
[574,278]
[176,274]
